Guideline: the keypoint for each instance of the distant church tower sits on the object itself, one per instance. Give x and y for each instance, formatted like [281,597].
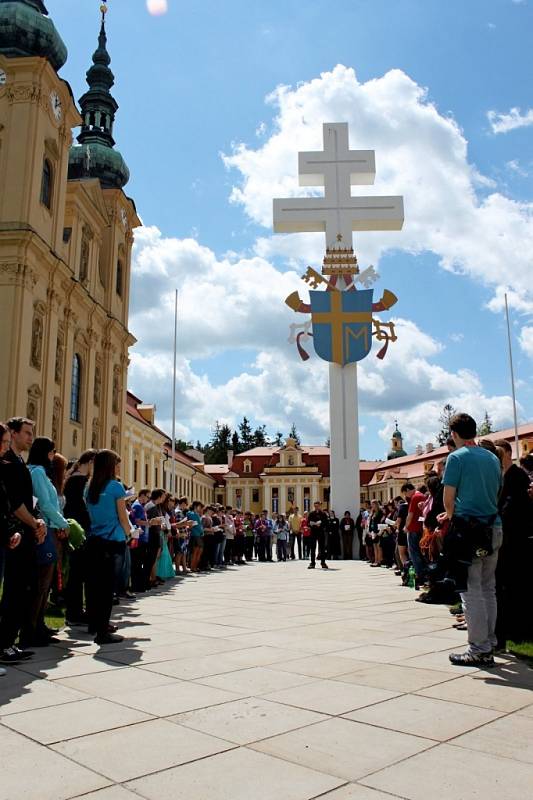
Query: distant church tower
[65,239]
[396,445]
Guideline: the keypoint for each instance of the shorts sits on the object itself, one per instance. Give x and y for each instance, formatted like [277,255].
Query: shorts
[401,539]
[196,541]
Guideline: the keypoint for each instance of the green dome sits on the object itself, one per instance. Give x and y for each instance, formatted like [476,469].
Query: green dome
[96,160]
[26,30]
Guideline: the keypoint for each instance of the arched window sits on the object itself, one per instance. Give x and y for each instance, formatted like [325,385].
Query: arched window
[75,389]
[120,276]
[47,184]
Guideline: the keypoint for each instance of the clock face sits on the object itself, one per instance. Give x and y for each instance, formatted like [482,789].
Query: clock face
[3,78]
[55,102]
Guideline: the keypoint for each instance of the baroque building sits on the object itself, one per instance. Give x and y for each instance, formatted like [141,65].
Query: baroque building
[66,235]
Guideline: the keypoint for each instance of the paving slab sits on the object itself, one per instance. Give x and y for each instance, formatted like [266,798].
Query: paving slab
[422,716]
[129,753]
[33,772]
[510,737]
[343,748]
[256,680]
[178,697]
[330,697]
[70,720]
[238,775]
[453,772]
[483,689]
[394,677]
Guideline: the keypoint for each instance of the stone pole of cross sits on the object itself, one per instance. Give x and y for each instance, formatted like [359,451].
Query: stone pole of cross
[342,315]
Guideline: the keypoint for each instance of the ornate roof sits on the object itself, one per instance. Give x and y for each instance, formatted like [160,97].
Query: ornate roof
[27,30]
[96,157]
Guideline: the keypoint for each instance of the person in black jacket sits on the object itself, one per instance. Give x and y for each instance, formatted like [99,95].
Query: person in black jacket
[19,574]
[76,508]
[513,579]
[318,523]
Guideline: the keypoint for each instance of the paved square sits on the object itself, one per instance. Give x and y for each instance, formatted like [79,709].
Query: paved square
[271,682]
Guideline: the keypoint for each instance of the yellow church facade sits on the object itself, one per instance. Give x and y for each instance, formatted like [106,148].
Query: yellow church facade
[66,235]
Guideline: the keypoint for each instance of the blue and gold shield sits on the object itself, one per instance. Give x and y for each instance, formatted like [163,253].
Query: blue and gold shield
[342,325]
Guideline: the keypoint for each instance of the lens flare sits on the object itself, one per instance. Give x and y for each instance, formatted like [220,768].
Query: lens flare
[157,7]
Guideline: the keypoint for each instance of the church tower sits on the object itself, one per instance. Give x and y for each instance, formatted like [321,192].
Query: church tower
[65,239]
[396,445]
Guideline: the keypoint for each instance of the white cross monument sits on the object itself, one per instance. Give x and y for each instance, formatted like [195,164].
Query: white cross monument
[338,214]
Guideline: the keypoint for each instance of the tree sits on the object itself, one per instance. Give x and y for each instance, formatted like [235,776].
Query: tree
[216,451]
[182,446]
[236,444]
[447,413]
[260,437]
[246,435]
[293,434]
[486,425]
[328,442]
[278,439]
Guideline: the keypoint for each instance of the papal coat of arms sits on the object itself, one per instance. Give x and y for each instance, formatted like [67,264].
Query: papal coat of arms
[341,321]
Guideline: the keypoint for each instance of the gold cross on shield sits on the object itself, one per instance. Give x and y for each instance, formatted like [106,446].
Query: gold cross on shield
[337,318]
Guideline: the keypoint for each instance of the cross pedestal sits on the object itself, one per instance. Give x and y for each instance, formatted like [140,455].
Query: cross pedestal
[338,214]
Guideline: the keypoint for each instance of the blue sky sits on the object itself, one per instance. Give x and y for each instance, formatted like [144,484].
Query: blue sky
[192,84]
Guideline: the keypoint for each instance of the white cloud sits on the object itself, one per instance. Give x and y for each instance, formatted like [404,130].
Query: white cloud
[235,302]
[157,7]
[420,153]
[514,118]
[526,340]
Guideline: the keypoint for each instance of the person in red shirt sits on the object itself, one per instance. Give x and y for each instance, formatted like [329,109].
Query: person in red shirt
[414,526]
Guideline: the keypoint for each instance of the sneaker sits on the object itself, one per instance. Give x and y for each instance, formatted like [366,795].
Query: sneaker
[10,656]
[311,566]
[471,660]
[109,638]
[324,565]
[3,671]
[23,654]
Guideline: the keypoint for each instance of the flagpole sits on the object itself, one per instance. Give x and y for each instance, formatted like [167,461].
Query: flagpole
[517,458]
[173,469]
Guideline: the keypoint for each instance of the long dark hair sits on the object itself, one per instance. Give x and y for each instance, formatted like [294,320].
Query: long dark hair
[105,464]
[40,450]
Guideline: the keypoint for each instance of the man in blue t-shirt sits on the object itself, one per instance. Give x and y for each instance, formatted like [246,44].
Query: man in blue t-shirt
[472,480]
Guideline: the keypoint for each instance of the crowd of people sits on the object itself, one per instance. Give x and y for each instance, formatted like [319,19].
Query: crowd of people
[73,533]
[465,538]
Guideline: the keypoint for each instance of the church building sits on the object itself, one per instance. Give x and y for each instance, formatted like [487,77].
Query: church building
[66,235]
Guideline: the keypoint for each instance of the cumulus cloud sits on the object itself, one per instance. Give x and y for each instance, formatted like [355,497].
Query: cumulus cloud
[420,153]
[510,121]
[234,302]
[526,340]
[157,7]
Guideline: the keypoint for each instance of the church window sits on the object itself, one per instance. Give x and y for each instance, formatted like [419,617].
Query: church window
[291,461]
[146,475]
[247,466]
[75,389]
[255,495]
[47,184]
[120,278]
[135,470]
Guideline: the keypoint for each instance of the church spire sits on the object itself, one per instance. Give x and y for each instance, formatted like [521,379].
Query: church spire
[97,157]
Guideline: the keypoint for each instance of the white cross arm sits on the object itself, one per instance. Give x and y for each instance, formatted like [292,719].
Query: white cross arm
[298,215]
[321,168]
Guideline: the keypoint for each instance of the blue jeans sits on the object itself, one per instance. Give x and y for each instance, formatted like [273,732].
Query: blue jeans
[415,554]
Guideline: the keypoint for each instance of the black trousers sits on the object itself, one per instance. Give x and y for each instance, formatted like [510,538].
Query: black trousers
[248,547]
[138,557]
[75,583]
[19,575]
[101,559]
[318,537]
[152,549]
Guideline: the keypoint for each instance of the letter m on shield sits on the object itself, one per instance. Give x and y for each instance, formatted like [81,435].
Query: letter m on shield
[342,325]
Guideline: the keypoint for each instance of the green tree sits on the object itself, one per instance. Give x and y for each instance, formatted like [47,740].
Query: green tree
[486,426]
[278,439]
[216,451]
[182,445]
[293,433]
[246,435]
[446,414]
[236,444]
[260,437]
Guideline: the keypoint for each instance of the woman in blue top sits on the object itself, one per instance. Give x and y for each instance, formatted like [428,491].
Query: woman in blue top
[36,633]
[110,527]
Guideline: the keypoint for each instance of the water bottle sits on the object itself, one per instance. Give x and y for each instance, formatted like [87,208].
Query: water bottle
[411,577]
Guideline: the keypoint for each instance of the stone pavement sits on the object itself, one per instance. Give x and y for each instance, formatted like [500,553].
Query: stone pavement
[269,682]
